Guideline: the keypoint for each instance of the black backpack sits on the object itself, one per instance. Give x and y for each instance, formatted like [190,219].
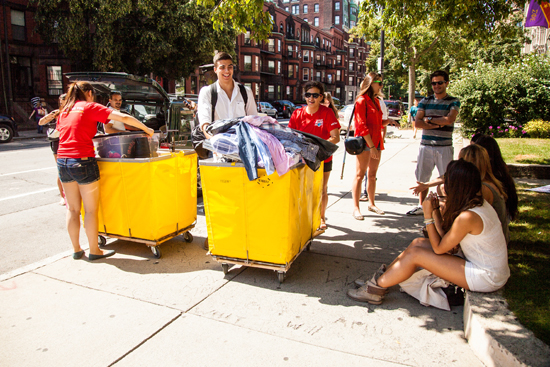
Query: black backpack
[197,136]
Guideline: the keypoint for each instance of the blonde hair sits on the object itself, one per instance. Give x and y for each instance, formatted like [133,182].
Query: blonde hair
[331,105]
[477,155]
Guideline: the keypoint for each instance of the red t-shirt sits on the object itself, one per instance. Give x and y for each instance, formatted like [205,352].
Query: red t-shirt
[77,128]
[368,119]
[320,124]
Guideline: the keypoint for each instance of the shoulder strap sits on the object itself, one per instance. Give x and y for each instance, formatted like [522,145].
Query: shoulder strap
[213,98]
[244,94]
[351,118]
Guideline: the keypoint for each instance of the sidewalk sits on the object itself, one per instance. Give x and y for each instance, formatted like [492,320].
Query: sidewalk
[30,134]
[134,310]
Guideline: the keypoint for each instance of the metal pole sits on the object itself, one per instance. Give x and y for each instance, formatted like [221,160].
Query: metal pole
[10,94]
[4,93]
[382,52]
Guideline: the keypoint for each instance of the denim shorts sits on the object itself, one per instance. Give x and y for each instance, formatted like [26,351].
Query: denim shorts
[82,170]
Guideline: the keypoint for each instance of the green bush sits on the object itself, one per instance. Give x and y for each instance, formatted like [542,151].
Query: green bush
[538,129]
[503,95]
[404,122]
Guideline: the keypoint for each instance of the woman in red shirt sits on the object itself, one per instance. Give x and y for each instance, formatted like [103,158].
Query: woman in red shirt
[368,124]
[76,163]
[319,121]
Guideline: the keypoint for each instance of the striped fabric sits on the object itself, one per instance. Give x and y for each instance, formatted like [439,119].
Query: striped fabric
[35,101]
[433,107]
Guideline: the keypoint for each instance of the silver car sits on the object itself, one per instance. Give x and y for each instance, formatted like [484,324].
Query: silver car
[268,109]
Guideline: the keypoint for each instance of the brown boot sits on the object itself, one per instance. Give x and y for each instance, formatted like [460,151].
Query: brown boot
[370,292]
[360,282]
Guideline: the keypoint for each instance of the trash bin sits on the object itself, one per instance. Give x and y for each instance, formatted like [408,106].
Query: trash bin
[148,200]
[263,223]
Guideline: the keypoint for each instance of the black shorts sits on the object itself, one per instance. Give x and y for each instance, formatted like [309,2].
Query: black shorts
[327,166]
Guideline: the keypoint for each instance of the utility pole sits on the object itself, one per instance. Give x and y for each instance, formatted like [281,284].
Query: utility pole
[8,61]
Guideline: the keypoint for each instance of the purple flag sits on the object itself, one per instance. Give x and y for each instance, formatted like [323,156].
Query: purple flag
[536,16]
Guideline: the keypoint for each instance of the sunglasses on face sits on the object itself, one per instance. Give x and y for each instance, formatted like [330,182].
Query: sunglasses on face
[438,83]
[378,81]
[314,95]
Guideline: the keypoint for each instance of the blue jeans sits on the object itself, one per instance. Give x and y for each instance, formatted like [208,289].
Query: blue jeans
[82,170]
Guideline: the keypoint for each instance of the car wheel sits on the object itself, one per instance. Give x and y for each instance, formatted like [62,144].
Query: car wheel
[288,114]
[275,116]
[6,134]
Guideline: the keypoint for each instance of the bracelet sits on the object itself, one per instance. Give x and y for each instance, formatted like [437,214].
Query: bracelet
[429,221]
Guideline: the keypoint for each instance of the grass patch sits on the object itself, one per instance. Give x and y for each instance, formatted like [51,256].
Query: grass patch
[527,151]
[528,289]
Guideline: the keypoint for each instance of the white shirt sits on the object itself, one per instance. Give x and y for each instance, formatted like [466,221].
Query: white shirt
[383,108]
[226,108]
[119,125]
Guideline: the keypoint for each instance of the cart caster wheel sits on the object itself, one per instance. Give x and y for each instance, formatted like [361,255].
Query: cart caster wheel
[281,276]
[156,251]
[225,268]
[188,237]
[101,241]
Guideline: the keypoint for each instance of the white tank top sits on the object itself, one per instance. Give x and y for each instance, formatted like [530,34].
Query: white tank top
[487,250]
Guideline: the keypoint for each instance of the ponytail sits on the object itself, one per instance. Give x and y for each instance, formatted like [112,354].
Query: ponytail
[75,93]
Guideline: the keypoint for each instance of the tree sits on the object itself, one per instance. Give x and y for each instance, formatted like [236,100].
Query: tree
[242,15]
[418,31]
[169,39]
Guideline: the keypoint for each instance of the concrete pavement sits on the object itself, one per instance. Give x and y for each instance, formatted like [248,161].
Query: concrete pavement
[135,310]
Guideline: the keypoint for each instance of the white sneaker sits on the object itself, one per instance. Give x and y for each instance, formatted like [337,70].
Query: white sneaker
[416,211]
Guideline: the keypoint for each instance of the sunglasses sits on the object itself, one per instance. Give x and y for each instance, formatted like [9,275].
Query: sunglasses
[378,81]
[314,95]
[438,83]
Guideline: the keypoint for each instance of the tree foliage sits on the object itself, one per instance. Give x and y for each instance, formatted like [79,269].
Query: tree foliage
[242,15]
[434,35]
[504,94]
[167,38]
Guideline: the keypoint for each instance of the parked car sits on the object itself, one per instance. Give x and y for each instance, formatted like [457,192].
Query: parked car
[343,117]
[395,109]
[284,108]
[8,129]
[268,109]
[337,103]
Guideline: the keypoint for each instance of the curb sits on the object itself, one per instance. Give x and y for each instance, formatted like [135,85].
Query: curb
[496,337]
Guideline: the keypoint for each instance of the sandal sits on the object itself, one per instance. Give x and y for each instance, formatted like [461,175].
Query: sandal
[376,210]
[364,197]
[358,216]
[322,227]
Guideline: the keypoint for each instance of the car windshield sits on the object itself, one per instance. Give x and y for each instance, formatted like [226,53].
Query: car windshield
[268,105]
[393,105]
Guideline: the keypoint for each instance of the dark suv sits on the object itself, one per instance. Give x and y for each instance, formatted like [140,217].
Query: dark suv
[284,108]
[8,129]
[395,109]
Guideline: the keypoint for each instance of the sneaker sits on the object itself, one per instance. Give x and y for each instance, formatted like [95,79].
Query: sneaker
[416,211]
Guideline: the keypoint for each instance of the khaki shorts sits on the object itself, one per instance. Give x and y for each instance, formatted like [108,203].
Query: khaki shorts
[430,157]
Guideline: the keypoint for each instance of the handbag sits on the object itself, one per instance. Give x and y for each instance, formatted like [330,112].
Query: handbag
[53,134]
[354,145]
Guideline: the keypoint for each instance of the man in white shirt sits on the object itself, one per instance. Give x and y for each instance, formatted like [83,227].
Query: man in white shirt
[230,102]
[115,103]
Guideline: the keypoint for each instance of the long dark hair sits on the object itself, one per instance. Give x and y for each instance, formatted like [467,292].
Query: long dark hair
[75,93]
[365,87]
[463,188]
[500,170]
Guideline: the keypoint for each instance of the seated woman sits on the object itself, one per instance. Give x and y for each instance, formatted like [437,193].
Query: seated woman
[469,221]
[500,170]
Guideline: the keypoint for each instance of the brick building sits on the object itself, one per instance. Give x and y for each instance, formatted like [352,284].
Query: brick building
[297,51]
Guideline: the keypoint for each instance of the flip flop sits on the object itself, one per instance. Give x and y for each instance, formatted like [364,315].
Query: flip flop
[376,210]
[358,216]
[322,227]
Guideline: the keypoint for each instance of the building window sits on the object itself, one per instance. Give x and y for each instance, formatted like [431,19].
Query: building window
[247,63]
[337,5]
[350,80]
[351,66]
[316,22]
[288,91]
[18,25]
[247,39]
[279,46]
[338,91]
[305,20]
[270,92]
[286,8]
[351,52]
[256,68]
[316,8]
[306,74]
[305,9]
[55,80]
[257,91]
[291,71]
[271,45]
[350,96]
[318,76]
[337,19]
[279,67]
[306,56]
[329,78]
[290,48]
[271,66]
[193,85]
[338,59]
[338,75]
[286,1]
[295,9]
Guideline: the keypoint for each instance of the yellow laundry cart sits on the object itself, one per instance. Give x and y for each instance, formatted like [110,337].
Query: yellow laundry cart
[148,200]
[264,223]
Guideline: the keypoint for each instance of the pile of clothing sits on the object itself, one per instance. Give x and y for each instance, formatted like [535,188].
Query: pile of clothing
[261,142]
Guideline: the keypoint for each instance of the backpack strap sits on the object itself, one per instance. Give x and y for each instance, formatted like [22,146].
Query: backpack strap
[244,94]
[213,98]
